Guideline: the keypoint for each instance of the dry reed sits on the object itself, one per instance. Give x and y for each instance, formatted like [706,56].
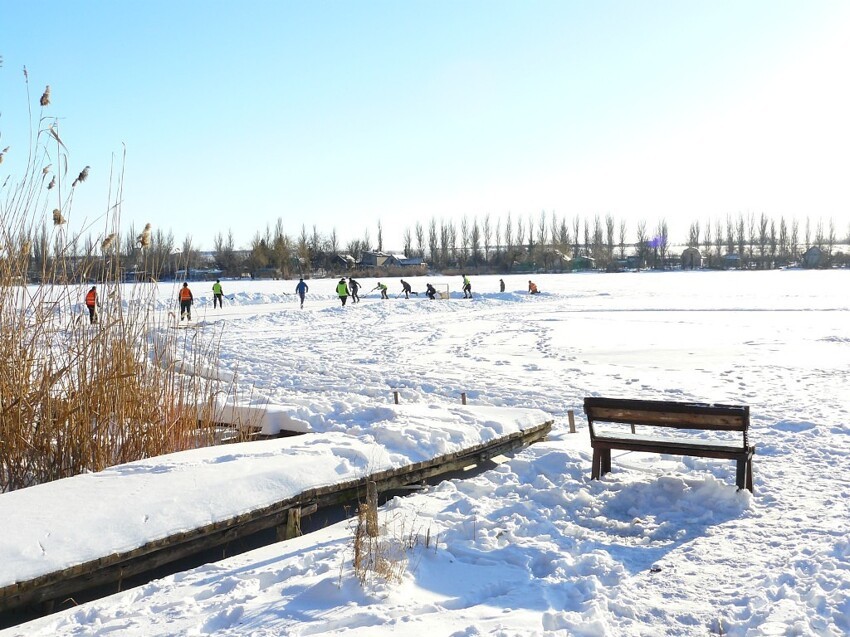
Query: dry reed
[78,397]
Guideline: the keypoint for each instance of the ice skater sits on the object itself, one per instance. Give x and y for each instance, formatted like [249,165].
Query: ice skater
[92,304]
[186,300]
[354,290]
[218,294]
[342,291]
[467,287]
[301,289]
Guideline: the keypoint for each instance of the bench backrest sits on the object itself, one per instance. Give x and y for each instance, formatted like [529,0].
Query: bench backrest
[662,413]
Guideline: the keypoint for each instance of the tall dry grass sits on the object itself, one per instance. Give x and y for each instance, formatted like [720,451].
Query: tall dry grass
[74,396]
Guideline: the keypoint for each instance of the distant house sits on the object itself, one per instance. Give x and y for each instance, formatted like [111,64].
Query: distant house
[583,263]
[370,259]
[691,259]
[267,273]
[814,257]
[344,261]
[635,262]
[731,261]
[401,261]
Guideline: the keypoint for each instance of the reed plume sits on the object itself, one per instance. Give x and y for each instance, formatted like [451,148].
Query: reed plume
[144,239]
[45,97]
[107,243]
[84,174]
[58,219]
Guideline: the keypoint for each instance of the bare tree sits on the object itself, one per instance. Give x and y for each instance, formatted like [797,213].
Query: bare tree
[795,241]
[420,240]
[464,239]
[498,237]
[784,251]
[333,242]
[718,237]
[576,230]
[433,245]
[661,239]
[303,251]
[380,236]
[693,235]
[225,253]
[445,239]
[740,237]
[763,227]
[609,238]
[408,242]
[642,243]
[831,237]
[475,241]
[730,235]
[487,235]
[622,239]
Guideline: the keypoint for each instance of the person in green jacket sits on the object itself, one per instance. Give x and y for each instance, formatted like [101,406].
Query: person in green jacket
[467,287]
[218,295]
[342,291]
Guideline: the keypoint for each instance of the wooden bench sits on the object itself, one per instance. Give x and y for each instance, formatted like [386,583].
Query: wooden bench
[674,415]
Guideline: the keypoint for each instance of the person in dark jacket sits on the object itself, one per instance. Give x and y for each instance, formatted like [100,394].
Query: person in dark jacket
[301,289]
[405,287]
[430,291]
[354,290]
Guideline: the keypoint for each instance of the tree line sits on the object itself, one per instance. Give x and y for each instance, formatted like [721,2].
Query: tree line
[506,244]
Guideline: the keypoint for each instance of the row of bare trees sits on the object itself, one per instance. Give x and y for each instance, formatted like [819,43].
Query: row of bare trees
[543,241]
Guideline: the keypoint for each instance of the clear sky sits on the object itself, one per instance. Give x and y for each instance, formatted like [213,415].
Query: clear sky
[341,114]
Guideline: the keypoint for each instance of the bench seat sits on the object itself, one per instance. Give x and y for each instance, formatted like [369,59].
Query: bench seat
[731,420]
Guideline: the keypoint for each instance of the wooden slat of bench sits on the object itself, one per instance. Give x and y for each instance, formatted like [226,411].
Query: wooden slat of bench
[668,414]
[700,448]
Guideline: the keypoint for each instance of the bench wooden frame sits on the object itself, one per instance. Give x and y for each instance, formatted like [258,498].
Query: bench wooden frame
[659,413]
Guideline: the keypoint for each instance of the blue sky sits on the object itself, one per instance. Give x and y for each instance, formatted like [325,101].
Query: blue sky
[341,114]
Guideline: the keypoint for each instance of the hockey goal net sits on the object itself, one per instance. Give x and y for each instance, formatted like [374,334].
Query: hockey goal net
[442,291]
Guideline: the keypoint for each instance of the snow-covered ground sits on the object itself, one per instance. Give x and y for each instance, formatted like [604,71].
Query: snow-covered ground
[662,545]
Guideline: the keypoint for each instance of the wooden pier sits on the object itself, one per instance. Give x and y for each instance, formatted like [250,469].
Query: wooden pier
[283,515]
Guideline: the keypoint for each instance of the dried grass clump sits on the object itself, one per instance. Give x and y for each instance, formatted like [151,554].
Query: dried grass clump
[382,550]
[45,97]
[78,397]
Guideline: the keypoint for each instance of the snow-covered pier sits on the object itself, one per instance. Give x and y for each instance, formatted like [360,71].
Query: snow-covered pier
[95,529]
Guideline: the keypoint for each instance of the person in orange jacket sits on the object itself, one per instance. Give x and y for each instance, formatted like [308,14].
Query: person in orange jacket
[91,303]
[186,299]
[532,288]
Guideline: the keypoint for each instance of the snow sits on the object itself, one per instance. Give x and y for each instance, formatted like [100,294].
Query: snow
[662,545]
[128,505]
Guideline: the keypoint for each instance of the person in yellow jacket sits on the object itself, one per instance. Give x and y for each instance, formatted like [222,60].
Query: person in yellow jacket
[218,294]
[186,299]
[342,291]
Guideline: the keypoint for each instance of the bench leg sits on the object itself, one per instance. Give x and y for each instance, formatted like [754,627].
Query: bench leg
[750,475]
[744,477]
[606,461]
[594,470]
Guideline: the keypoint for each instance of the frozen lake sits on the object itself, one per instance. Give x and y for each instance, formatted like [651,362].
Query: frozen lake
[660,546]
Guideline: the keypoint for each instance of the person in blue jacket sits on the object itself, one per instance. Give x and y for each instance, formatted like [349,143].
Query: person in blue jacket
[301,289]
